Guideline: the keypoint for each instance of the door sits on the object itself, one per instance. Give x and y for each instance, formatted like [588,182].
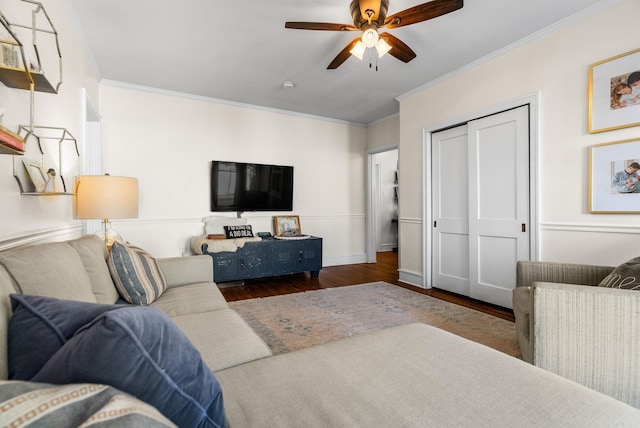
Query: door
[495,233]
[450,270]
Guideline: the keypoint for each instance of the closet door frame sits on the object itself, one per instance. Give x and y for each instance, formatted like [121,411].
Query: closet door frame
[533,102]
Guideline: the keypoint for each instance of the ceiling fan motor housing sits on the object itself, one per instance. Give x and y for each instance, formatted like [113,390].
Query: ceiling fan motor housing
[378,11]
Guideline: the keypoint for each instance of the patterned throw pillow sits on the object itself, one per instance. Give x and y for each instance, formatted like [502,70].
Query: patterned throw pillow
[626,276]
[136,274]
[79,404]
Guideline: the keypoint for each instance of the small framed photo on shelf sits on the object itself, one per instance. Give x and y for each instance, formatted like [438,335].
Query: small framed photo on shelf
[34,169]
[614,92]
[614,177]
[287,225]
[10,55]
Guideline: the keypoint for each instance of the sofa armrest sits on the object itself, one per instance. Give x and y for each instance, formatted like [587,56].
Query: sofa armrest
[528,272]
[590,335]
[186,270]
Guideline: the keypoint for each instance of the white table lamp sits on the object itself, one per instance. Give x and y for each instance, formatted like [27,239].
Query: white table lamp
[106,197]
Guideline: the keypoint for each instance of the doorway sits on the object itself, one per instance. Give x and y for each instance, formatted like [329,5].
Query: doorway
[382,201]
[481,202]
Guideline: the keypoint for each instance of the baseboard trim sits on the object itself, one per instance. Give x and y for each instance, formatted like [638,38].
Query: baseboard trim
[388,247]
[346,260]
[411,278]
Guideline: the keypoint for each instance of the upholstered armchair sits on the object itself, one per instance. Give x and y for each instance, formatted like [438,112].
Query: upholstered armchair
[568,325]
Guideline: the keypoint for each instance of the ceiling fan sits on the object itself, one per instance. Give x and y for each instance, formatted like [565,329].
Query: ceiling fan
[371,15]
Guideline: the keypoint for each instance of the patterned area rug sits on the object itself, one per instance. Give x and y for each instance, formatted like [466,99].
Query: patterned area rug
[295,321]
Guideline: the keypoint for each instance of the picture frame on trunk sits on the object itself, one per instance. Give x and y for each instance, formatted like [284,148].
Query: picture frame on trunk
[287,225]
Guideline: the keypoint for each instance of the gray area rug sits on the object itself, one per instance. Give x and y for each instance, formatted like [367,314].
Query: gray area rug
[295,321]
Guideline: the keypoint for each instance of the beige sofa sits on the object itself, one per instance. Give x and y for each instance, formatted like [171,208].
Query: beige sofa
[412,375]
[568,325]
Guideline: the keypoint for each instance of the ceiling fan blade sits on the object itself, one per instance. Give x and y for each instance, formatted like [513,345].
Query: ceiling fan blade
[422,12]
[343,55]
[399,49]
[322,26]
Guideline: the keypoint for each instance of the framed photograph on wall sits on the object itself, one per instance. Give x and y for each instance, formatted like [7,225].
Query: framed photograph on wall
[287,225]
[614,92]
[614,177]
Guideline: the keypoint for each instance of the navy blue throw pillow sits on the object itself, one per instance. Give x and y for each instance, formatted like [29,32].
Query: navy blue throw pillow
[140,351]
[40,326]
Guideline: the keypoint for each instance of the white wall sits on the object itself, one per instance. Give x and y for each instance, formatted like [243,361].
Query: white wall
[555,65]
[168,140]
[35,218]
[383,133]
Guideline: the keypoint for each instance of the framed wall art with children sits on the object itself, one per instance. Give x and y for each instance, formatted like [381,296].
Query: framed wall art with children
[614,92]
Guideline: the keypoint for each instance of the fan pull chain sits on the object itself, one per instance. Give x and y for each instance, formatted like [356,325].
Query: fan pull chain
[372,54]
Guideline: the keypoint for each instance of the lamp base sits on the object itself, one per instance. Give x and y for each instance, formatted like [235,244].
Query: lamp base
[108,235]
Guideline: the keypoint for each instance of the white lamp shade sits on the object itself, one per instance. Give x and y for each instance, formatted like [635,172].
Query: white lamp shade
[106,197]
[370,37]
[358,50]
[382,47]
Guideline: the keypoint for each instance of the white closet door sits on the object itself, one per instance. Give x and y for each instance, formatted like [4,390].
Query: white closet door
[480,188]
[450,270]
[498,203]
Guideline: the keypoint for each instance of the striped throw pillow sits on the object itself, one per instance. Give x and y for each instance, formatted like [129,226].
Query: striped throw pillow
[136,274]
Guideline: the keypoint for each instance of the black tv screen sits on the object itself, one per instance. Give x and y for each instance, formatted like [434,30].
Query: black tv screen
[242,187]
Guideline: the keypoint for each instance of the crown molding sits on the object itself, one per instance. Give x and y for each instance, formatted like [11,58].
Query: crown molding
[598,7]
[166,92]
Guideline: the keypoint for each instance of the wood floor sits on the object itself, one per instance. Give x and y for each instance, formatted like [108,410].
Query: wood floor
[386,269]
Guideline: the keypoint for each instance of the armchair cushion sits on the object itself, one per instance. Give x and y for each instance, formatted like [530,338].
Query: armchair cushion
[625,276]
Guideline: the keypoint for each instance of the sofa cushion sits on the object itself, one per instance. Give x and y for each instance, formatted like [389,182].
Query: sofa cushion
[52,270]
[412,375]
[93,253]
[47,405]
[191,299]
[48,324]
[139,350]
[136,274]
[230,343]
[625,276]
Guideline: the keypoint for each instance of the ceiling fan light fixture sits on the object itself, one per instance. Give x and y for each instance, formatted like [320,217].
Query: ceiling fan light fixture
[358,50]
[370,37]
[382,47]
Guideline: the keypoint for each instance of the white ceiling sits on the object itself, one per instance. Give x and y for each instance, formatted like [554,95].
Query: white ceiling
[239,50]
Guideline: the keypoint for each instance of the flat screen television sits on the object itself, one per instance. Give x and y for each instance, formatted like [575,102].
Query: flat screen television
[237,186]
